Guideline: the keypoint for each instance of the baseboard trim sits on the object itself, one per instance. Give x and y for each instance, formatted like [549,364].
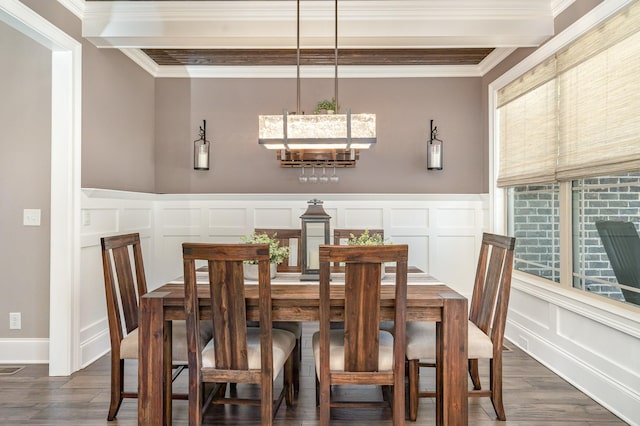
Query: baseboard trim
[611,394]
[24,351]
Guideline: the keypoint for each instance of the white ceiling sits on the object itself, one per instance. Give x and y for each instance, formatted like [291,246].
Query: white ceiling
[502,24]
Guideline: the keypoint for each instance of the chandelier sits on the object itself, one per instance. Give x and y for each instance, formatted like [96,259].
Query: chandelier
[317,140]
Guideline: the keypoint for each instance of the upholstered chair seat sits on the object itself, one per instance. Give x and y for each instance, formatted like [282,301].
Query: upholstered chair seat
[129,345]
[336,351]
[421,341]
[283,343]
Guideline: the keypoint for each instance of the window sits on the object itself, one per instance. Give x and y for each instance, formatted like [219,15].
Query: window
[569,145]
[605,226]
[533,220]
[606,246]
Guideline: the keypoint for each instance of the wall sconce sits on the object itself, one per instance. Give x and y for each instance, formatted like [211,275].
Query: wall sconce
[315,231]
[201,149]
[434,151]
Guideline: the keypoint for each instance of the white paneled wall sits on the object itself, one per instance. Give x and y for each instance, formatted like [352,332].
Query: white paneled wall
[581,338]
[107,213]
[443,233]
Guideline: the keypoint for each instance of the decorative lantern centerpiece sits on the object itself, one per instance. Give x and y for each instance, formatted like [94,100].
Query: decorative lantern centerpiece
[315,231]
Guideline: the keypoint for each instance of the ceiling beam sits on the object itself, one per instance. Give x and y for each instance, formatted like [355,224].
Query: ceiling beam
[398,24]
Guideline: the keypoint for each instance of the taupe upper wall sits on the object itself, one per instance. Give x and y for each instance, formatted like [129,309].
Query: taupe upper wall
[117,111]
[397,164]
[25,182]
[138,131]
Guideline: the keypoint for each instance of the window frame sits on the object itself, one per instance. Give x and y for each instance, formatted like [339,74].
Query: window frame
[498,196]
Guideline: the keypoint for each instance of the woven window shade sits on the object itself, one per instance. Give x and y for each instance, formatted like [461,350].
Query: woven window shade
[528,136]
[577,114]
[599,100]
[528,81]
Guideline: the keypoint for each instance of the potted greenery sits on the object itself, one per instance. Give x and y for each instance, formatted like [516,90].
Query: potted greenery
[277,254]
[366,239]
[326,107]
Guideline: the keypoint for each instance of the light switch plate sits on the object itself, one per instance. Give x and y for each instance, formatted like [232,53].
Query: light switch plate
[31,217]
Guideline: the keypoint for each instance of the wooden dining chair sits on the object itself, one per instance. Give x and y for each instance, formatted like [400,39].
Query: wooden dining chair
[487,320]
[361,353]
[284,236]
[125,283]
[237,354]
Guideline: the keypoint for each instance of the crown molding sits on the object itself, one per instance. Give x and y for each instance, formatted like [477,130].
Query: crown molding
[144,61]
[345,71]
[558,6]
[77,7]
[494,58]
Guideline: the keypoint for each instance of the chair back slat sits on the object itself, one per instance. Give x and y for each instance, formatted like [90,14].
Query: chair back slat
[362,316]
[229,314]
[492,287]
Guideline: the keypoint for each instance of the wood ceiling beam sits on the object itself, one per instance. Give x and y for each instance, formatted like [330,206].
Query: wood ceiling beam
[266,57]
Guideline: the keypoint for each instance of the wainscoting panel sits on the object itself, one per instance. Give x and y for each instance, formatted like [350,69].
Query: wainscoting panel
[231,221]
[165,221]
[581,339]
[181,221]
[106,213]
[409,220]
[456,218]
[418,249]
[532,312]
[404,219]
[584,338]
[454,259]
[135,219]
[367,218]
[265,217]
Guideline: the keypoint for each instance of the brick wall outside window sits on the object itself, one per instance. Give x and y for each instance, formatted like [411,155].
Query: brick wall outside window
[533,220]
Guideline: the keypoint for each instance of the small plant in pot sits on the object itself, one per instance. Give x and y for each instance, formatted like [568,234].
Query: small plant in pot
[277,254]
[367,239]
[326,107]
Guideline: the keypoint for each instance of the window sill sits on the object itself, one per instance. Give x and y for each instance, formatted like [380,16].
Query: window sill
[617,315]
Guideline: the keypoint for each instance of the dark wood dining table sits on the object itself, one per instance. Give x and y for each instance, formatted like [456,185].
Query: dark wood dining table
[427,300]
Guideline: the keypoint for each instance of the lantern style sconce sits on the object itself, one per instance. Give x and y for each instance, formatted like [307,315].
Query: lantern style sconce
[315,231]
[201,149]
[434,151]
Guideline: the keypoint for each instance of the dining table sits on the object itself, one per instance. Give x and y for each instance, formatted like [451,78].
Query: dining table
[294,300]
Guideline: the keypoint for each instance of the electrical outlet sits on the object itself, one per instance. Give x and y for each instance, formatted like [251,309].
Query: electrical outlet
[31,217]
[15,320]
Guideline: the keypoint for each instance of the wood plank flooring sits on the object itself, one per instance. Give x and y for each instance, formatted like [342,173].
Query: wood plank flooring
[533,396]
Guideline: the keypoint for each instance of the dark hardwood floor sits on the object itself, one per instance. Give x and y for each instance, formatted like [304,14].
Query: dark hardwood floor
[533,396]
